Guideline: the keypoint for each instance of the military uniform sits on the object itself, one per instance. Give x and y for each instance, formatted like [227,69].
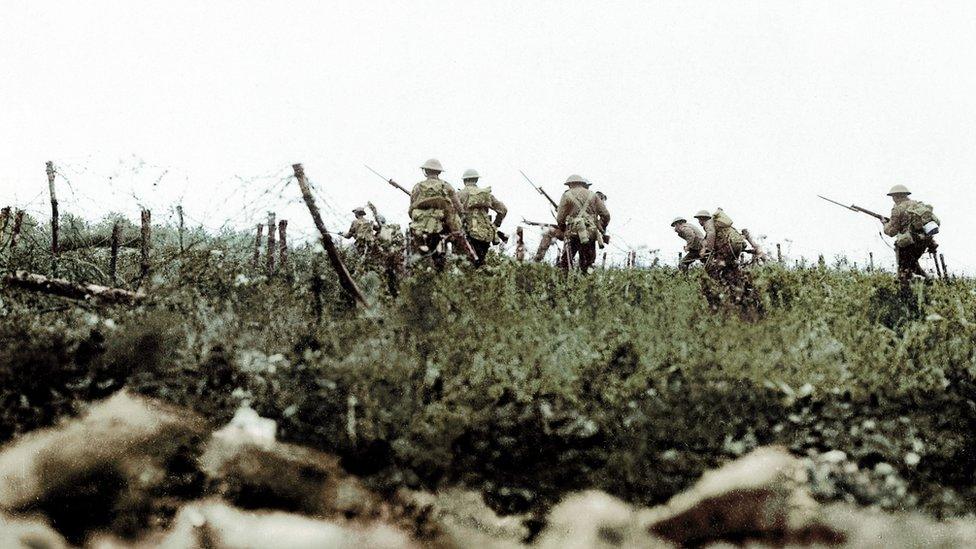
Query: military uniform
[551,234]
[721,248]
[583,217]
[911,240]
[362,230]
[694,239]
[434,209]
[476,202]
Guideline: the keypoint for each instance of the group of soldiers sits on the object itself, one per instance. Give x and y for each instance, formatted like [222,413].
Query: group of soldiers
[469,219]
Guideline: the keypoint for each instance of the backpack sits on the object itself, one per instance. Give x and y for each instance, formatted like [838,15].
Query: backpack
[476,220]
[429,207]
[726,234]
[721,219]
[584,225]
[478,198]
[922,219]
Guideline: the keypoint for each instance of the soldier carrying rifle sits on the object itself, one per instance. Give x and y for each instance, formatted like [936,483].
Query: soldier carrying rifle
[913,225]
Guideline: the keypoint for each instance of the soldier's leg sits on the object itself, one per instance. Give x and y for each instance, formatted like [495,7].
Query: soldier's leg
[438,252]
[570,250]
[688,260]
[544,245]
[587,256]
[481,248]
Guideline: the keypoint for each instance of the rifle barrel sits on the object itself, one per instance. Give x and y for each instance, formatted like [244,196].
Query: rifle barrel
[389,181]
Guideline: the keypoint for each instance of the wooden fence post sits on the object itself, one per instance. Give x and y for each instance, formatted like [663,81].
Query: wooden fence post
[282,244]
[179,215]
[945,271]
[15,232]
[113,265]
[146,235]
[779,253]
[345,280]
[270,259]
[520,245]
[55,224]
[871,262]
[4,219]
[256,260]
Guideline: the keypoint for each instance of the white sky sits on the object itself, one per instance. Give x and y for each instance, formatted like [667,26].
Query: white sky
[669,107]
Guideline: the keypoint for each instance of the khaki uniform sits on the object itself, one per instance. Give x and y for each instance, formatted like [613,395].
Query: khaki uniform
[482,232]
[434,213]
[583,218]
[694,239]
[551,234]
[915,243]
[721,249]
[362,231]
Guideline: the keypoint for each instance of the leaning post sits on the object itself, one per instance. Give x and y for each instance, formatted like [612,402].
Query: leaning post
[345,279]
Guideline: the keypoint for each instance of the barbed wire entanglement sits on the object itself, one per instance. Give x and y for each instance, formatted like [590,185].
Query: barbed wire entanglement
[94,198]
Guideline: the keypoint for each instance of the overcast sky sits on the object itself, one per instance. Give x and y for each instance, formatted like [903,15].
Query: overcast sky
[669,107]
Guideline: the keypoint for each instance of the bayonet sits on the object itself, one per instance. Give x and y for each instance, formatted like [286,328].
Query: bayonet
[390,181]
[540,190]
[855,208]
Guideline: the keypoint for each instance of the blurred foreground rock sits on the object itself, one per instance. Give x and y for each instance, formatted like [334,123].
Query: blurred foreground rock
[131,472]
[114,467]
[215,524]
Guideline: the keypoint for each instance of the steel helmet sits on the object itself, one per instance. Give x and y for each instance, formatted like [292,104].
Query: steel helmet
[703,213]
[576,179]
[433,164]
[359,210]
[677,220]
[470,174]
[899,189]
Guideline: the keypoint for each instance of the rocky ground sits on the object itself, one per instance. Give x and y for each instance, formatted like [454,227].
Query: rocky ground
[134,472]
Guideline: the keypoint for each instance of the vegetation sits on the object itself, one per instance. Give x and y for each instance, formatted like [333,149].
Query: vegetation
[517,380]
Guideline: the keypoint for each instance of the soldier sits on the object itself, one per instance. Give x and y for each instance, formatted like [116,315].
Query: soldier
[362,231]
[583,219]
[551,234]
[475,203]
[913,224]
[434,213]
[721,249]
[694,241]
[555,233]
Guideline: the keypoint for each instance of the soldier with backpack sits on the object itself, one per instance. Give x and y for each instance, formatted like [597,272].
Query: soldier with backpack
[476,202]
[721,249]
[434,213]
[583,218]
[913,225]
[362,231]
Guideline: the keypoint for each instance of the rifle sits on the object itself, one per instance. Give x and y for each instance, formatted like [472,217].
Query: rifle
[854,208]
[538,223]
[540,190]
[390,181]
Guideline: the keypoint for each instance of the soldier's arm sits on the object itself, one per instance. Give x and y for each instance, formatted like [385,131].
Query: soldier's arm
[709,243]
[563,212]
[500,210]
[413,200]
[453,219]
[603,213]
[351,231]
[893,226]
